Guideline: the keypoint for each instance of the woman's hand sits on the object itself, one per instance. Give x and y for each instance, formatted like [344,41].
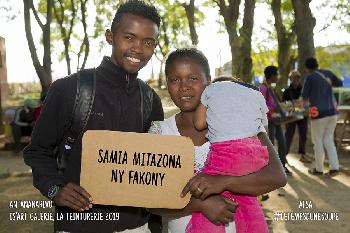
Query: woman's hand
[218,209]
[201,186]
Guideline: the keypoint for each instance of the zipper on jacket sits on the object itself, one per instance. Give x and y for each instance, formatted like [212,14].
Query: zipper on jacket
[127,81]
[141,106]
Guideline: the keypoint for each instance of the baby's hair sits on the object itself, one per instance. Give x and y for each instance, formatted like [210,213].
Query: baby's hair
[224,78]
[235,80]
[136,7]
[192,53]
[270,71]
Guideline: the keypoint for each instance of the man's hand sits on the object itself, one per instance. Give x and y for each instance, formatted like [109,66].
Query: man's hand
[74,197]
[218,209]
[201,186]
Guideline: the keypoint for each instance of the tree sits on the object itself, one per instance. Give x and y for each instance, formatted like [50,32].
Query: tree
[43,69]
[63,17]
[286,38]
[190,10]
[104,17]
[172,32]
[85,45]
[240,44]
[304,25]
[66,15]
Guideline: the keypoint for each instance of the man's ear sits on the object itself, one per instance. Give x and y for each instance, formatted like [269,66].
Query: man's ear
[209,79]
[109,36]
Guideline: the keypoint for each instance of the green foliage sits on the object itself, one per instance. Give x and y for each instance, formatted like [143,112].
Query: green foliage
[42,6]
[287,14]
[105,11]
[174,32]
[343,13]
[263,57]
[335,58]
[65,17]
[18,92]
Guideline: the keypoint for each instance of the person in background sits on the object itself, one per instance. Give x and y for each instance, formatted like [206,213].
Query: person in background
[37,110]
[23,121]
[274,129]
[318,94]
[292,93]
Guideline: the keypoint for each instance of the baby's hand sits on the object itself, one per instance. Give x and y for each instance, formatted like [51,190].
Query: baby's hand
[201,186]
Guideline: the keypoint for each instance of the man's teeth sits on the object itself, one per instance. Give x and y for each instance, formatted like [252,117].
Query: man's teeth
[186,97]
[135,60]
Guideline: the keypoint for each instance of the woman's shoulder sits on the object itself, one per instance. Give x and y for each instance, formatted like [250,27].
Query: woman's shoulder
[166,127]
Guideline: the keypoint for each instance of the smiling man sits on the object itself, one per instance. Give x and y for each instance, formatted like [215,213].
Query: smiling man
[119,105]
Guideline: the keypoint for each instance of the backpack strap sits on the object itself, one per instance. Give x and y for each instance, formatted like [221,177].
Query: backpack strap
[146,94]
[328,80]
[84,99]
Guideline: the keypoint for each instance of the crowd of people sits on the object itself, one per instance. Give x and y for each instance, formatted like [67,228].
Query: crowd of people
[221,123]
[321,107]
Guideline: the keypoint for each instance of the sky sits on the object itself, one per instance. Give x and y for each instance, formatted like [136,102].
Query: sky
[213,44]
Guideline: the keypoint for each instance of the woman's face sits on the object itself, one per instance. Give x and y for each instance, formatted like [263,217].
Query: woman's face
[186,81]
[295,80]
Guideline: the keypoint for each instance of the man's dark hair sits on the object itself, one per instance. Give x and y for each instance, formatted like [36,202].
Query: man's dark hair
[270,71]
[311,63]
[192,53]
[138,8]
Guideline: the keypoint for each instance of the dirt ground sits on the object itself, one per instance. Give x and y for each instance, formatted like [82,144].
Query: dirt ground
[20,189]
[303,194]
[306,193]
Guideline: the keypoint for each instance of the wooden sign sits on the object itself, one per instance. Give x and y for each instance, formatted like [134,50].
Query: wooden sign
[136,169]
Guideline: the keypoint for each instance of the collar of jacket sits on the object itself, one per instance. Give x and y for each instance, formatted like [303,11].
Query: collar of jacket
[114,75]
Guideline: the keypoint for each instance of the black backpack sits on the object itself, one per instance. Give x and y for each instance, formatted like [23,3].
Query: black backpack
[84,99]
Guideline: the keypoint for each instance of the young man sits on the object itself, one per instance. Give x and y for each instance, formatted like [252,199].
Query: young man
[317,92]
[272,102]
[117,106]
[292,93]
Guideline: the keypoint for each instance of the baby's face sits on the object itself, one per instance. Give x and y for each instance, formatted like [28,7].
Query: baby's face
[186,81]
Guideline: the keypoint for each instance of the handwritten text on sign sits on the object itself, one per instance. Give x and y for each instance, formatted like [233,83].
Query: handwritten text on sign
[136,169]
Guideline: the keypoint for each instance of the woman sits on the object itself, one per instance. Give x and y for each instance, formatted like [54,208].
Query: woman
[187,72]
